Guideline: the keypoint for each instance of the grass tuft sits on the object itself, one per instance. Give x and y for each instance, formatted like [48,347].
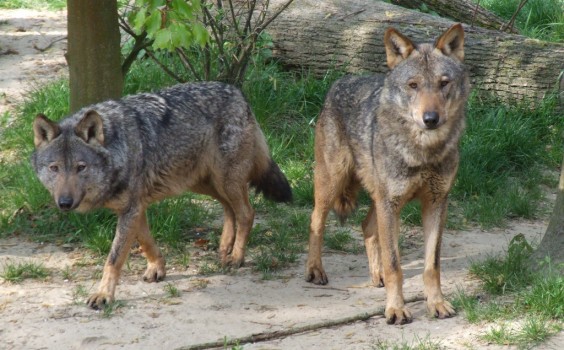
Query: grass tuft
[506,274]
[28,270]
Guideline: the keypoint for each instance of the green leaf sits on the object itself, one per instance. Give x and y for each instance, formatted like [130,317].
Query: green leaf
[183,9]
[154,4]
[201,35]
[180,36]
[163,39]
[138,20]
[153,23]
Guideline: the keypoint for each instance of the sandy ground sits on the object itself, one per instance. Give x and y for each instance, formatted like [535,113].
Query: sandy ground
[50,314]
[31,51]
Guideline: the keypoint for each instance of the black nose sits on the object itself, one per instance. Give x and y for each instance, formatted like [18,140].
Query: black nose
[431,119]
[65,203]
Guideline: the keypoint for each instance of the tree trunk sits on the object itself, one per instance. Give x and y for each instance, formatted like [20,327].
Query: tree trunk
[552,244]
[94,55]
[464,11]
[348,35]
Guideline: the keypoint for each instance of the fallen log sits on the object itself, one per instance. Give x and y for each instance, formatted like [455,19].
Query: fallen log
[348,35]
[464,11]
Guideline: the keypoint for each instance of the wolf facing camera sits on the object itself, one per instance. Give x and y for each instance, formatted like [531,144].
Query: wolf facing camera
[396,136]
[126,154]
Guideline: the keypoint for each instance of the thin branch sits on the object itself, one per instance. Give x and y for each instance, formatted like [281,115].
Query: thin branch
[132,56]
[43,49]
[234,19]
[125,26]
[141,43]
[274,16]
[475,13]
[266,336]
[509,25]
[187,64]
[165,68]
[247,27]
[209,20]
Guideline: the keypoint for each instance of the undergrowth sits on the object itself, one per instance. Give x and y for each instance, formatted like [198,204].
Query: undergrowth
[504,154]
[540,19]
[520,306]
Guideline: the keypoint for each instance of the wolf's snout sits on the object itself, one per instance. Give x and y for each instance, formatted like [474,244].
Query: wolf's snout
[431,119]
[65,203]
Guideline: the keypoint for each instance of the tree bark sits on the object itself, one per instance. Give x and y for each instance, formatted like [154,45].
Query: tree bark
[94,54]
[348,35]
[464,11]
[552,243]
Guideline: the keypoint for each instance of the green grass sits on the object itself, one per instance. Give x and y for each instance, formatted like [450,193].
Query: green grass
[34,4]
[531,332]
[503,152]
[417,343]
[511,273]
[171,290]
[276,243]
[522,307]
[541,19]
[113,308]
[28,270]
[79,294]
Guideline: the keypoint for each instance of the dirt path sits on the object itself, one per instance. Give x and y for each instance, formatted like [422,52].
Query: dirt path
[31,51]
[50,314]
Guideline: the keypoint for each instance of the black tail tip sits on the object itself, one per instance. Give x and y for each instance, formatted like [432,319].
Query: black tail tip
[274,185]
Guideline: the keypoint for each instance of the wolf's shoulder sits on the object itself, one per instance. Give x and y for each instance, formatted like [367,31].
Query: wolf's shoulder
[351,92]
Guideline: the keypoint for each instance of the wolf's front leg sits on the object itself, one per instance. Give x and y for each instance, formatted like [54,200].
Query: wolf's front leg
[127,226]
[388,231]
[156,270]
[434,217]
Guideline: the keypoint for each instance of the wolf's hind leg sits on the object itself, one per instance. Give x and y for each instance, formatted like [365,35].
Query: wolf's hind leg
[227,234]
[372,244]
[325,191]
[229,224]
[244,217]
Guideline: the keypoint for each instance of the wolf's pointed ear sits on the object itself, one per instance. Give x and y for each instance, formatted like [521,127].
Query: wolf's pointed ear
[451,43]
[44,130]
[91,128]
[398,47]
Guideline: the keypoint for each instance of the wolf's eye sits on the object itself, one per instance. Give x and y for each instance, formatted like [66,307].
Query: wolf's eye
[444,83]
[80,168]
[53,168]
[413,85]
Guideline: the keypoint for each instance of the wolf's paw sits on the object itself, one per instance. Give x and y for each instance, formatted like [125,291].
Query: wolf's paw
[442,309]
[237,258]
[97,301]
[232,261]
[155,272]
[316,275]
[398,316]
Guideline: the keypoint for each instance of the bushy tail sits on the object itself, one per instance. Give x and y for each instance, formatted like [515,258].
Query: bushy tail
[273,184]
